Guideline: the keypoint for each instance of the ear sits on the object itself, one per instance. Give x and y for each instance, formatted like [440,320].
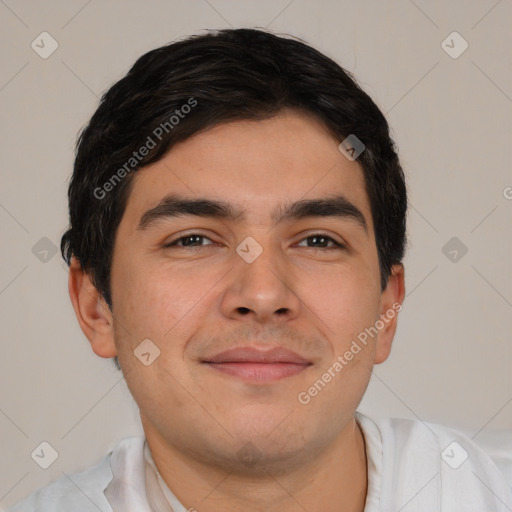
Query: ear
[92,312]
[390,305]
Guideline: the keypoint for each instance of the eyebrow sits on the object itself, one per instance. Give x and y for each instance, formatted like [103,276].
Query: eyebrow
[176,206]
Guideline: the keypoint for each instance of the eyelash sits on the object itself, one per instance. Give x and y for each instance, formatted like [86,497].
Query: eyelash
[195,248]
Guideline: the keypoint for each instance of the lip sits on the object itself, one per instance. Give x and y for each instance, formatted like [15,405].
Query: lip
[253,355]
[250,364]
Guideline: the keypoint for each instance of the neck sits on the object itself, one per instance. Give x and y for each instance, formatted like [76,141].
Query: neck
[334,481]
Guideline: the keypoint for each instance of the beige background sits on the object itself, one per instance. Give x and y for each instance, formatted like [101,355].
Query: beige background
[452,119]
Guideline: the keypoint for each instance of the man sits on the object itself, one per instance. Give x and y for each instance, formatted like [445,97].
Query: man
[237,230]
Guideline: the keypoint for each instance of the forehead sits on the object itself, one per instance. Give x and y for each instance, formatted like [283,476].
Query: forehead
[257,166]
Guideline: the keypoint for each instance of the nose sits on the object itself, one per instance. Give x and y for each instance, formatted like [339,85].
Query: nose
[261,291]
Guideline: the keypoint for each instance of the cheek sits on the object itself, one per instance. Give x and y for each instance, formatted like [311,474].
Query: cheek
[165,302]
[345,299]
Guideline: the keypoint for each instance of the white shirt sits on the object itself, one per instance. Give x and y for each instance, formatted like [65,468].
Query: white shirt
[412,467]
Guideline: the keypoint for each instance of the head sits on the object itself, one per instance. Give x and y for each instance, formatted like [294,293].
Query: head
[211,208]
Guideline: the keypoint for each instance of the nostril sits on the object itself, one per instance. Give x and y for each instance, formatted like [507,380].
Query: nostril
[244,311]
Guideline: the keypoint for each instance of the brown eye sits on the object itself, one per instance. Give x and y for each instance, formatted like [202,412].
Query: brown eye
[320,241]
[192,240]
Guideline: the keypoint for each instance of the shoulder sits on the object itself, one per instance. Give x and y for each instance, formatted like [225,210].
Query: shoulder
[413,454]
[453,447]
[399,434]
[80,492]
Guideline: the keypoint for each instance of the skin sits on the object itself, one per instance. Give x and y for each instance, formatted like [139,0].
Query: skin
[193,302]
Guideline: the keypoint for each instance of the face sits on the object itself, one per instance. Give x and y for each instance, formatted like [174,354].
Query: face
[286,290]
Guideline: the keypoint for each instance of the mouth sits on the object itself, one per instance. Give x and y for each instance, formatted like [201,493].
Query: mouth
[257,366]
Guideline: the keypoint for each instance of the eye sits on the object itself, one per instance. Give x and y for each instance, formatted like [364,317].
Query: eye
[317,241]
[322,240]
[191,240]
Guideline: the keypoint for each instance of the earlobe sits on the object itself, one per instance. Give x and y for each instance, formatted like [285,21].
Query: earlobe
[92,312]
[390,306]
